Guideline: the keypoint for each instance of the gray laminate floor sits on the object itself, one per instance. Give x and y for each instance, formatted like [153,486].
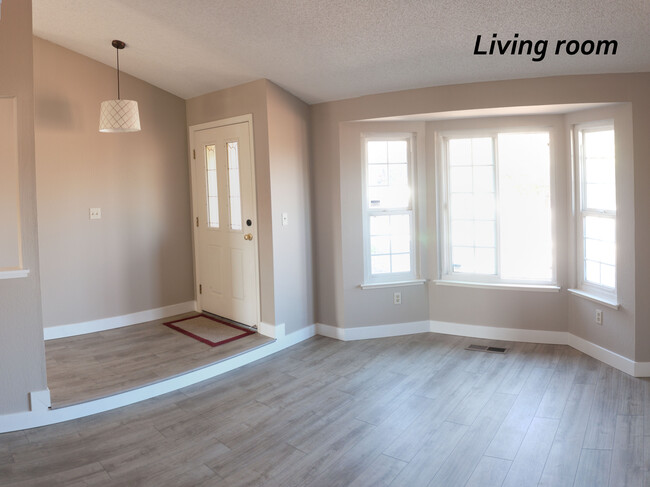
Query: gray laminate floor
[86,367]
[410,411]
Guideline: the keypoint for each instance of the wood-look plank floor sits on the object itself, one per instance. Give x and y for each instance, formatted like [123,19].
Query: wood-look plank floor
[86,367]
[411,411]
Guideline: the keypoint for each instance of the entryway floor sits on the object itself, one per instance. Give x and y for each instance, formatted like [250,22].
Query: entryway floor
[96,365]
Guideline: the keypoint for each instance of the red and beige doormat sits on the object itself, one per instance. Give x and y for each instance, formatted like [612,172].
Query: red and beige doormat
[209,330]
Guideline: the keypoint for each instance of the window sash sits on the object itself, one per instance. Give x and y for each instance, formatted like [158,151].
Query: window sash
[583,212]
[446,271]
[369,212]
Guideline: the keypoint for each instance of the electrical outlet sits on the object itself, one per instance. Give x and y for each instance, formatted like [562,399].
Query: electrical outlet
[95,213]
[397,298]
[285,219]
[599,316]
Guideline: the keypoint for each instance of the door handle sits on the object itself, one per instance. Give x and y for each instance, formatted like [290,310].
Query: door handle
[248,236]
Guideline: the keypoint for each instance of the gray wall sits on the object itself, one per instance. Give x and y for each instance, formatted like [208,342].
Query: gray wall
[618,330]
[332,250]
[139,255]
[288,123]
[22,355]
[233,102]
[280,129]
[510,309]
[375,306]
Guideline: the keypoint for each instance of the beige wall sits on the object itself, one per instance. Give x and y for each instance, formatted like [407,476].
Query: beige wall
[332,249]
[22,355]
[510,309]
[617,332]
[375,306]
[139,255]
[288,129]
[282,178]
[233,102]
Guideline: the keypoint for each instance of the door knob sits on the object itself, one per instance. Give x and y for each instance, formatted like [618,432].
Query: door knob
[248,236]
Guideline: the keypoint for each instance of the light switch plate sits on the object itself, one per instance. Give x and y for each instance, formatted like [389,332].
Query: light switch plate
[95,213]
[285,219]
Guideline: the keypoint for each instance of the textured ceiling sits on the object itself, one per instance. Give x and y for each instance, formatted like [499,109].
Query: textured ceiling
[323,50]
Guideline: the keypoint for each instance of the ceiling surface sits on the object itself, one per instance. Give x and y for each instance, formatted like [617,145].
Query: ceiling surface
[323,50]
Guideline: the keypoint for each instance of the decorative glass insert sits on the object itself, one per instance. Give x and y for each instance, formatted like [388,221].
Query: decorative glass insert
[234,185]
[211,186]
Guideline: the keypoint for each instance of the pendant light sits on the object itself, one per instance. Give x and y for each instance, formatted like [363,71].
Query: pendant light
[119,115]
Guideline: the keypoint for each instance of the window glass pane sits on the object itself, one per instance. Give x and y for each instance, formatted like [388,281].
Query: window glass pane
[379,225]
[599,168]
[485,260]
[462,259]
[380,264]
[378,175]
[485,234]
[397,151]
[377,152]
[482,151]
[600,228]
[233,185]
[398,175]
[389,192]
[211,186]
[400,243]
[525,206]
[462,233]
[390,235]
[592,271]
[599,143]
[485,207]
[400,263]
[460,152]
[462,206]
[461,180]
[472,205]
[608,275]
[379,245]
[484,179]
[600,196]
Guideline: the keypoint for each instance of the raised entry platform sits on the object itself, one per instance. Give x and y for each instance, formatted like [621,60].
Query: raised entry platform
[96,365]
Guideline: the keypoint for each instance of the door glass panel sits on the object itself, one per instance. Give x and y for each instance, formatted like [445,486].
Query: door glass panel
[211,186]
[234,186]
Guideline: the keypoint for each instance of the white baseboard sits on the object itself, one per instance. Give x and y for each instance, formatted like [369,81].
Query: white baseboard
[62,331]
[373,331]
[624,364]
[497,333]
[604,355]
[40,400]
[43,417]
[271,331]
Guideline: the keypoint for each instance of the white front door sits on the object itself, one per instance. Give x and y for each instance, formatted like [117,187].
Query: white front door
[225,222]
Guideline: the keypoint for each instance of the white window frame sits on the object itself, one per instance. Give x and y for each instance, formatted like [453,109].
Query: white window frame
[609,295]
[393,277]
[444,226]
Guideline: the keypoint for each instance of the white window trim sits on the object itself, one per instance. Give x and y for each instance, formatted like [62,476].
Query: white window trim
[14,274]
[587,290]
[444,226]
[391,279]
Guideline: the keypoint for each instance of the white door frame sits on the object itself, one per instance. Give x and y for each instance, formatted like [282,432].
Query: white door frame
[192,129]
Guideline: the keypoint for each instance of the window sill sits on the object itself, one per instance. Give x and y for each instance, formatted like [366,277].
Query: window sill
[610,303]
[379,285]
[14,274]
[506,287]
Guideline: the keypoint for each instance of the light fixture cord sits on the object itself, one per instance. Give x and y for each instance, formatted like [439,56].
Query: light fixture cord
[118,73]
